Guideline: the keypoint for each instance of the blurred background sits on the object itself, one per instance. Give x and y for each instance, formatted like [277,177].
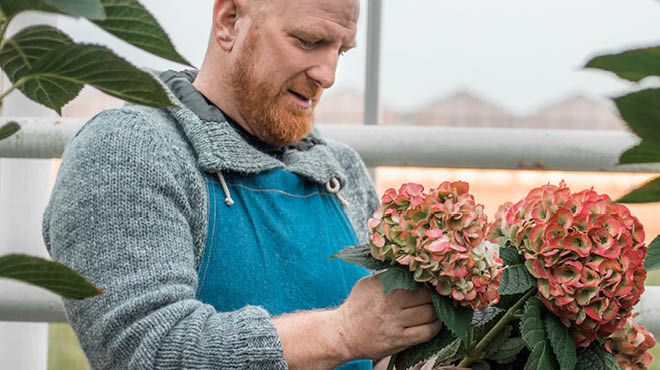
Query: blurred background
[511,63]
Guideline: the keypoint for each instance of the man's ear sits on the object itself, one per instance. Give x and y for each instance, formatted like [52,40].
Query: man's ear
[225,20]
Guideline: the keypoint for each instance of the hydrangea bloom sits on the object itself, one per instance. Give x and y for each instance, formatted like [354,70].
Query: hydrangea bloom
[585,252]
[630,345]
[439,236]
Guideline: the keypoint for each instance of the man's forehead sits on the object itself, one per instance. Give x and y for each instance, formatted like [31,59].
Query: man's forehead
[343,12]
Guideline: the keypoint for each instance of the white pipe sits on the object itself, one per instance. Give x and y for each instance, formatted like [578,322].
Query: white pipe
[411,146]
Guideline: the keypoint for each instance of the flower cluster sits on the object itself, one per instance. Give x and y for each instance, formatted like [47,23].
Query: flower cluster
[630,345]
[439,236]
[585,252]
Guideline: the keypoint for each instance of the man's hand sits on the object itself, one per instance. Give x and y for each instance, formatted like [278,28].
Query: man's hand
[374,326]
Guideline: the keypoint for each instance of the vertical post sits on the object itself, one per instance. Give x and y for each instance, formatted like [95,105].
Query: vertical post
[24,191]
[372,82]
[372,75]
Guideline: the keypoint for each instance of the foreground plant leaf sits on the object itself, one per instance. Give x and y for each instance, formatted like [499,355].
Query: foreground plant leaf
[50,275]
[542,358]
[457,319]
[561,339]
[644,152]
[516,279]
[632,65]
[646,193]
[641,111]
[494,346]
[23,51]
[508,351]
[397,277]
[361,255]
[131,22]
[9,129]
[91,9]
[484,320]
[54,79]
[531,324]
[595,357]
[425,351]
[450,353]
[652,261]
[11,8]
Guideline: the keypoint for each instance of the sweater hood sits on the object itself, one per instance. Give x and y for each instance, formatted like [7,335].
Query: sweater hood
[221,148]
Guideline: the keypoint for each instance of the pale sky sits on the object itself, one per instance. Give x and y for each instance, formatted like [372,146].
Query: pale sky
[519,54]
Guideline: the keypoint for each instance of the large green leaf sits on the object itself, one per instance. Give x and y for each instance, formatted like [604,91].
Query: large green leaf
[595,357]
[361,255]
[646,193]
[24,50]
[516,279]
[644,152]
[652,260]
[632,65]
[50,275]
[53,80]
[425,351]
[450,353]
[484,320]
[510,256]
[509,349]
[531,324]
[131,22]
[641,111]
[91,9]
[9,129]
[397,277]
[494,347]
[457,319]
[542,358]
[561,339]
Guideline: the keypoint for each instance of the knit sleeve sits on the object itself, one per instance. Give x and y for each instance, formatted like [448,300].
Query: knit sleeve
[121,214]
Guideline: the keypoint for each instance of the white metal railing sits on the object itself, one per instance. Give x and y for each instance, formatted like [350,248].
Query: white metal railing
[410,146]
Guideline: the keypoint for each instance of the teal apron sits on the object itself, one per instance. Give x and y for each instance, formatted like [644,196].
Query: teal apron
[271,247]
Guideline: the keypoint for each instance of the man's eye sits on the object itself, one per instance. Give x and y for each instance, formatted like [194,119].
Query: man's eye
[305,44]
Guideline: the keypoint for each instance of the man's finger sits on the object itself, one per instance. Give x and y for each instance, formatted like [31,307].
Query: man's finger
[418,315]
[422,333]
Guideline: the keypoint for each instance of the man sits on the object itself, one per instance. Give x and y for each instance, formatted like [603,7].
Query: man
[209,226]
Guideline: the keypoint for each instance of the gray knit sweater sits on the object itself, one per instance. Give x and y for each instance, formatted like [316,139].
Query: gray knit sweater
[129,212]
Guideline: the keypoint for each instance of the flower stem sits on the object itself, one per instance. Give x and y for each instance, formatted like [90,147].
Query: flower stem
[390,365]
[510,314]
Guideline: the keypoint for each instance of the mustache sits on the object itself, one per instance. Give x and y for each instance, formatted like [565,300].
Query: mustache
[309,90]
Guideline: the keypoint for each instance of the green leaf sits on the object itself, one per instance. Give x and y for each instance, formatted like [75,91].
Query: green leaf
[50,275]
[480,365]
[361,255]
[22,52]
[632,65]
[397,277]
[508,351]
[641,111]
[531,324]
[644,152]
[131,22]
[542,358]
[494,347]
[647,193]
[510,256]
[11,8]
[457,319]
[450,353]
[484,320]
[91,9]
[595,357]
[562,342]
[516,279]
[652,260]
[55,78]
[425,351]
[9,129]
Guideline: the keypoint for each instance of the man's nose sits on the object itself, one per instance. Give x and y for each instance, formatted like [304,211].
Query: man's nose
[323,72]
